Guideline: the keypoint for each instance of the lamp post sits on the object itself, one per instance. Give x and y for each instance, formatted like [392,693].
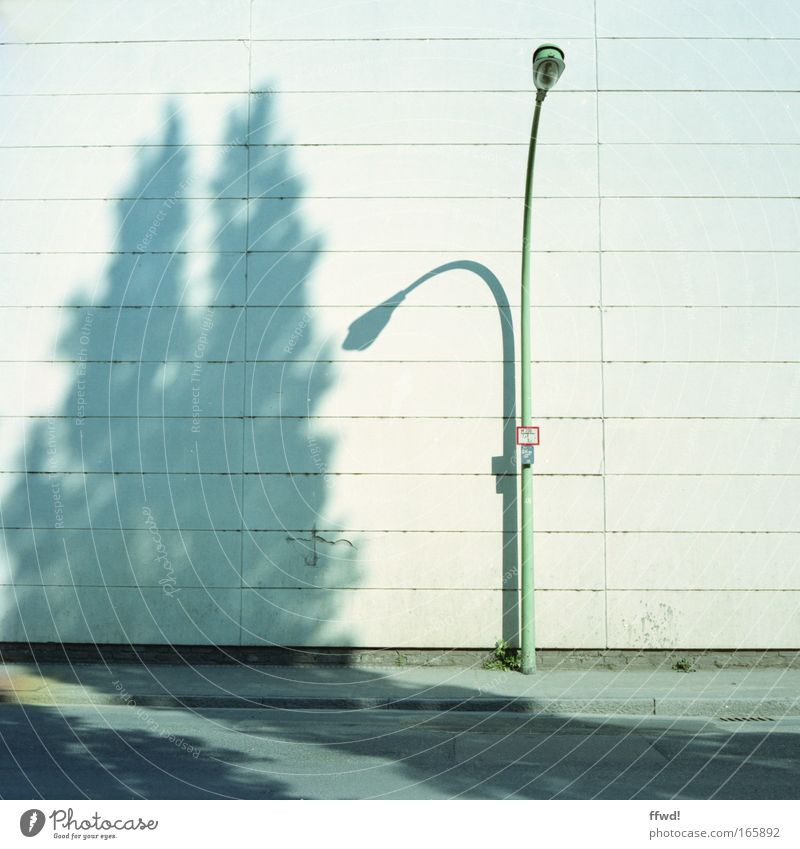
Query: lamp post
[548,64]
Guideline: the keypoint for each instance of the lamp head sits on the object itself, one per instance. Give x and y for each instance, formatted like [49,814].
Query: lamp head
[548,65]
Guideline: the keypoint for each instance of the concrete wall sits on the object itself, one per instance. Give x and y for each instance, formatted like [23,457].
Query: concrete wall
[226,417]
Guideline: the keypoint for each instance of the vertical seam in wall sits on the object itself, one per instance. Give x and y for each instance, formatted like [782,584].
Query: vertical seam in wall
[602,334]
[243,530]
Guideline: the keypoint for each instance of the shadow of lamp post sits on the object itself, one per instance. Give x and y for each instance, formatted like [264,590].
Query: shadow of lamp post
[366,329]
[548,64]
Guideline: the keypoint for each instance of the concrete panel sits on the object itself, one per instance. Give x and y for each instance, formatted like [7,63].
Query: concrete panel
[703,446]
[698,561]
[144,558]
[417,389]
[416,446]
[419,118]
[701,279]
[709,620]
[688,117]
[124,68]
[420,171]
[165,445]
[406,618]
[119,20]
[145,225]
[194,390]
[656,170]
[416,503]
[73,173]
[405,224]
[692,334]
[688,19]
[665,224]
[702,503]
[411,560]
[714,64]
[126,333]
[105,501]
[130,119]
[367,279]
[122,279]
[121,615]
[408,333]
[418,65]
[272,19]
[728,390]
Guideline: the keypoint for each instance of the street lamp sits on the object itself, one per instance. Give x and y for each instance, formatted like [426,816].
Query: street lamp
[548,64]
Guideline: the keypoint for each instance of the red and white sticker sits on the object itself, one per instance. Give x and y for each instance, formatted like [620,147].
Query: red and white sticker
[527,435]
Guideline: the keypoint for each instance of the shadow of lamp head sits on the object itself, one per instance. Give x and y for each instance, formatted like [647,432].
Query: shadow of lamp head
[369,326]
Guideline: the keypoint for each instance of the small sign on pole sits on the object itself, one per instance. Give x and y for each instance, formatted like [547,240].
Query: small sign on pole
[527,435]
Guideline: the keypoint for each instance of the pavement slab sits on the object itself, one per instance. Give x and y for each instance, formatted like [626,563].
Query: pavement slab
[743,694]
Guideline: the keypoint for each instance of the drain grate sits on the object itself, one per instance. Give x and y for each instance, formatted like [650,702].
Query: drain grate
[746,719]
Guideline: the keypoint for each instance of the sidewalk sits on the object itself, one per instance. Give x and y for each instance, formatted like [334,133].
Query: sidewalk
[735,693]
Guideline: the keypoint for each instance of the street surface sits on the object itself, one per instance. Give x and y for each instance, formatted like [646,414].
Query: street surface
[128,752]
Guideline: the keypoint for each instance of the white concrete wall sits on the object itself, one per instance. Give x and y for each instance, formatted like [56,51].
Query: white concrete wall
[200,203]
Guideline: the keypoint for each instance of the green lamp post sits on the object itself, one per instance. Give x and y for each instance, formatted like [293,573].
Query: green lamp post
[548,65]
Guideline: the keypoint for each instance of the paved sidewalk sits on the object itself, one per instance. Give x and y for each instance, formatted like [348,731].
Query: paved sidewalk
[740,693]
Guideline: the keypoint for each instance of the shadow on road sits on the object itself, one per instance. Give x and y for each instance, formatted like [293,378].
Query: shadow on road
[131,751]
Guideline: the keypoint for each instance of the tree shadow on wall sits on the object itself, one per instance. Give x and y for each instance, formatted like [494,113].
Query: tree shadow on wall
[295,555]
[174,493]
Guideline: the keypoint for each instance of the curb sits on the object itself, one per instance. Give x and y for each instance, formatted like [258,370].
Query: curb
[637,706]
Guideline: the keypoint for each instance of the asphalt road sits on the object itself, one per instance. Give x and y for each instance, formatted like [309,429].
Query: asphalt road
[130,752]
